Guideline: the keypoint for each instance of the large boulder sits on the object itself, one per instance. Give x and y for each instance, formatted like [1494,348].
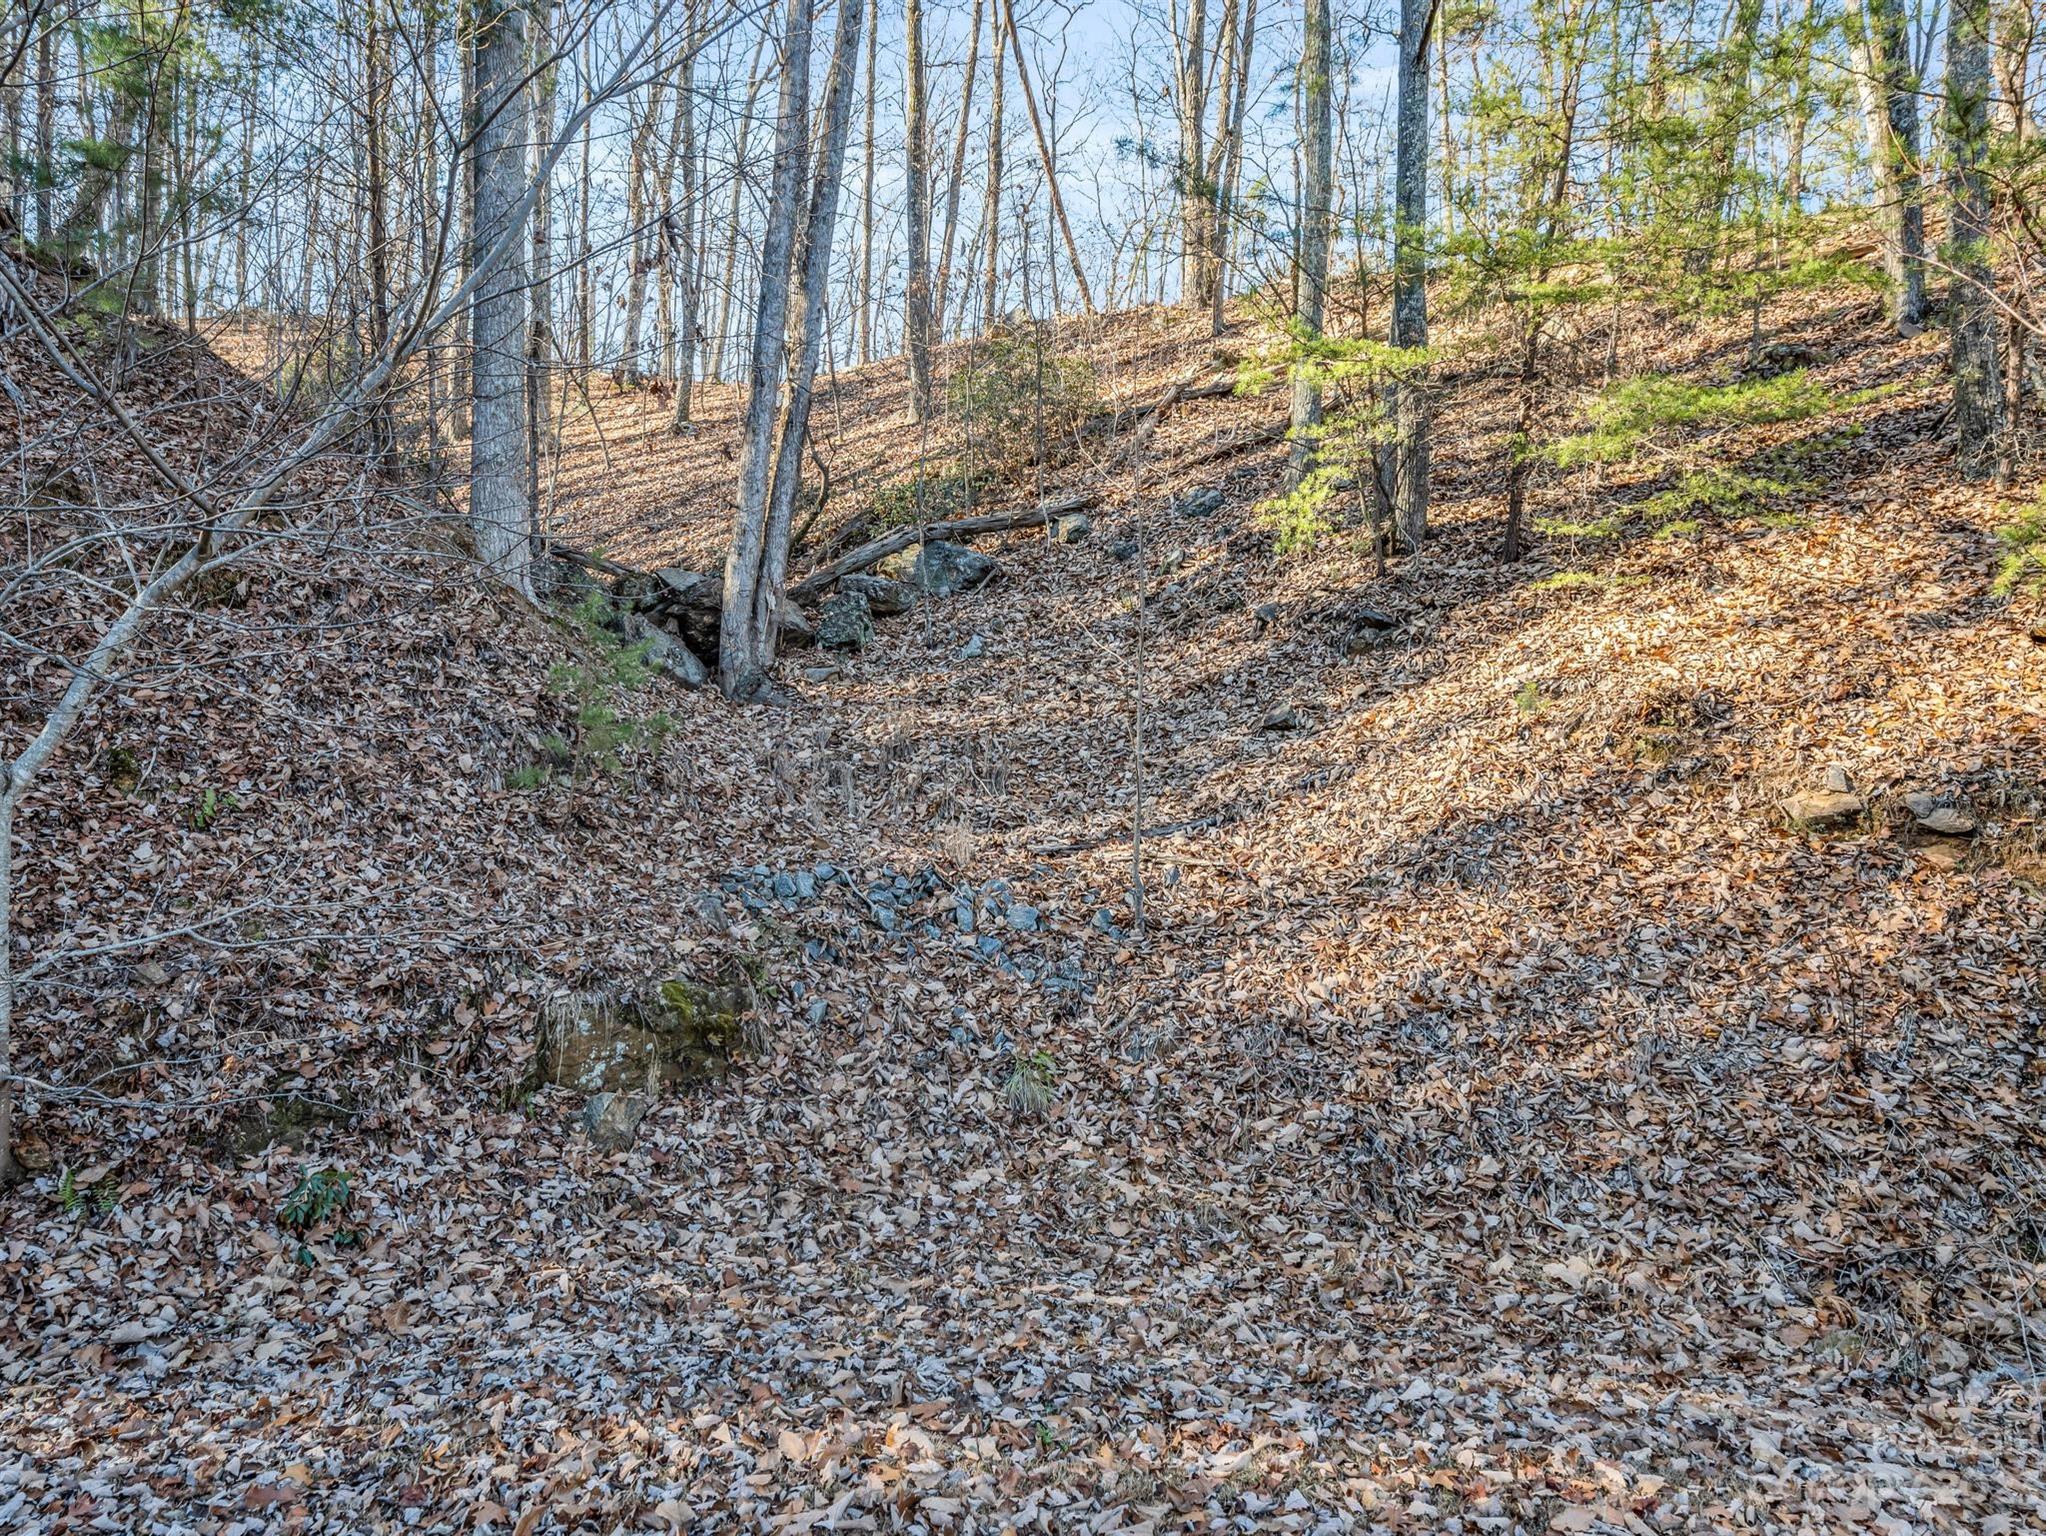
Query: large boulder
[939,568]
[665,653]
[692,604]
[646,1036]
[693,601]
[844,623]
[885,599]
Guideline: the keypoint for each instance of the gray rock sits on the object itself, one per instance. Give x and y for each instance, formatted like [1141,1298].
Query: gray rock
[844,623]
[973,650]
[612,1120]
[1204,502]
[1837,782]
[692,603]
[1072,528]
[1822,810]
[823,674]
[796,628]
[885,599]
[939,568]
[1947,820]
[665,654]
[1025,919]
[1123,549]
[1281,717]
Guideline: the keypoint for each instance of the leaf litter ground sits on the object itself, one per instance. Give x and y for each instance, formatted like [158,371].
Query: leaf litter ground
[1503,1121]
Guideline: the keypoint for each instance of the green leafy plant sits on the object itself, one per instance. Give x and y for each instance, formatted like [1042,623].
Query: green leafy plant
[72,1197]
[2022,564]
[314,1207]
[600,735]
[1344,449]
[208,807]
[1528,701]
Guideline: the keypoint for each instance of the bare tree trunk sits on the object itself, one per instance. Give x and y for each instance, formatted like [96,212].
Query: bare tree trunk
[644,237]
[376,109]
[741,641]
[500,505]
[866,316]
[916,312]
[1317,128]
[991,210]
[1231,158]
[585,277]
[540,332]
[1051,179]
[1971,324]
[1190,83]
[813,264]
[2016,25]
[721,342]
[958,176]
[46,132]
[687,259]
[1410,267]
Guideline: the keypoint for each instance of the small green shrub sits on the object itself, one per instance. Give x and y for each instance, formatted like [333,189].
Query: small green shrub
[1628,415]
[315,1200]
[2022,565]
[1016,396]
[601,734]
[208,807]
[929,496]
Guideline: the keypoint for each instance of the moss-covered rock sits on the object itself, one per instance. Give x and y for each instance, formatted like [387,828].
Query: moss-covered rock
[646,1035]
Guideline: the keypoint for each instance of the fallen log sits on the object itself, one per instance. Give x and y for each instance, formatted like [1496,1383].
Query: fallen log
[874,551]
[590,562]
[1193,386]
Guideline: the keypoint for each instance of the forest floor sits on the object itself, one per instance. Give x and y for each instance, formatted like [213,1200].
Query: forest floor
[1505,1119]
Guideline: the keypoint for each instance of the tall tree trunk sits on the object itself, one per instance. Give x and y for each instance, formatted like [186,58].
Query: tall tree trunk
[1044,154]
[1317,147]
[754,79]
[1231,158]
[585,275]
[376,188]
[500,508]
[687,259]
[813,267]
[1190,82]
[741,641]
[1889,93]
[540,330]
[916,312]
[866,313]
[46,132]
[958,175]
[2016,24]
[1971,324]
[991,212]
[1410,269]
[645,234]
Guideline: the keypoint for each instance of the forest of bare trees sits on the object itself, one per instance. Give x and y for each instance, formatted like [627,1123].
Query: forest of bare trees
[997,765]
